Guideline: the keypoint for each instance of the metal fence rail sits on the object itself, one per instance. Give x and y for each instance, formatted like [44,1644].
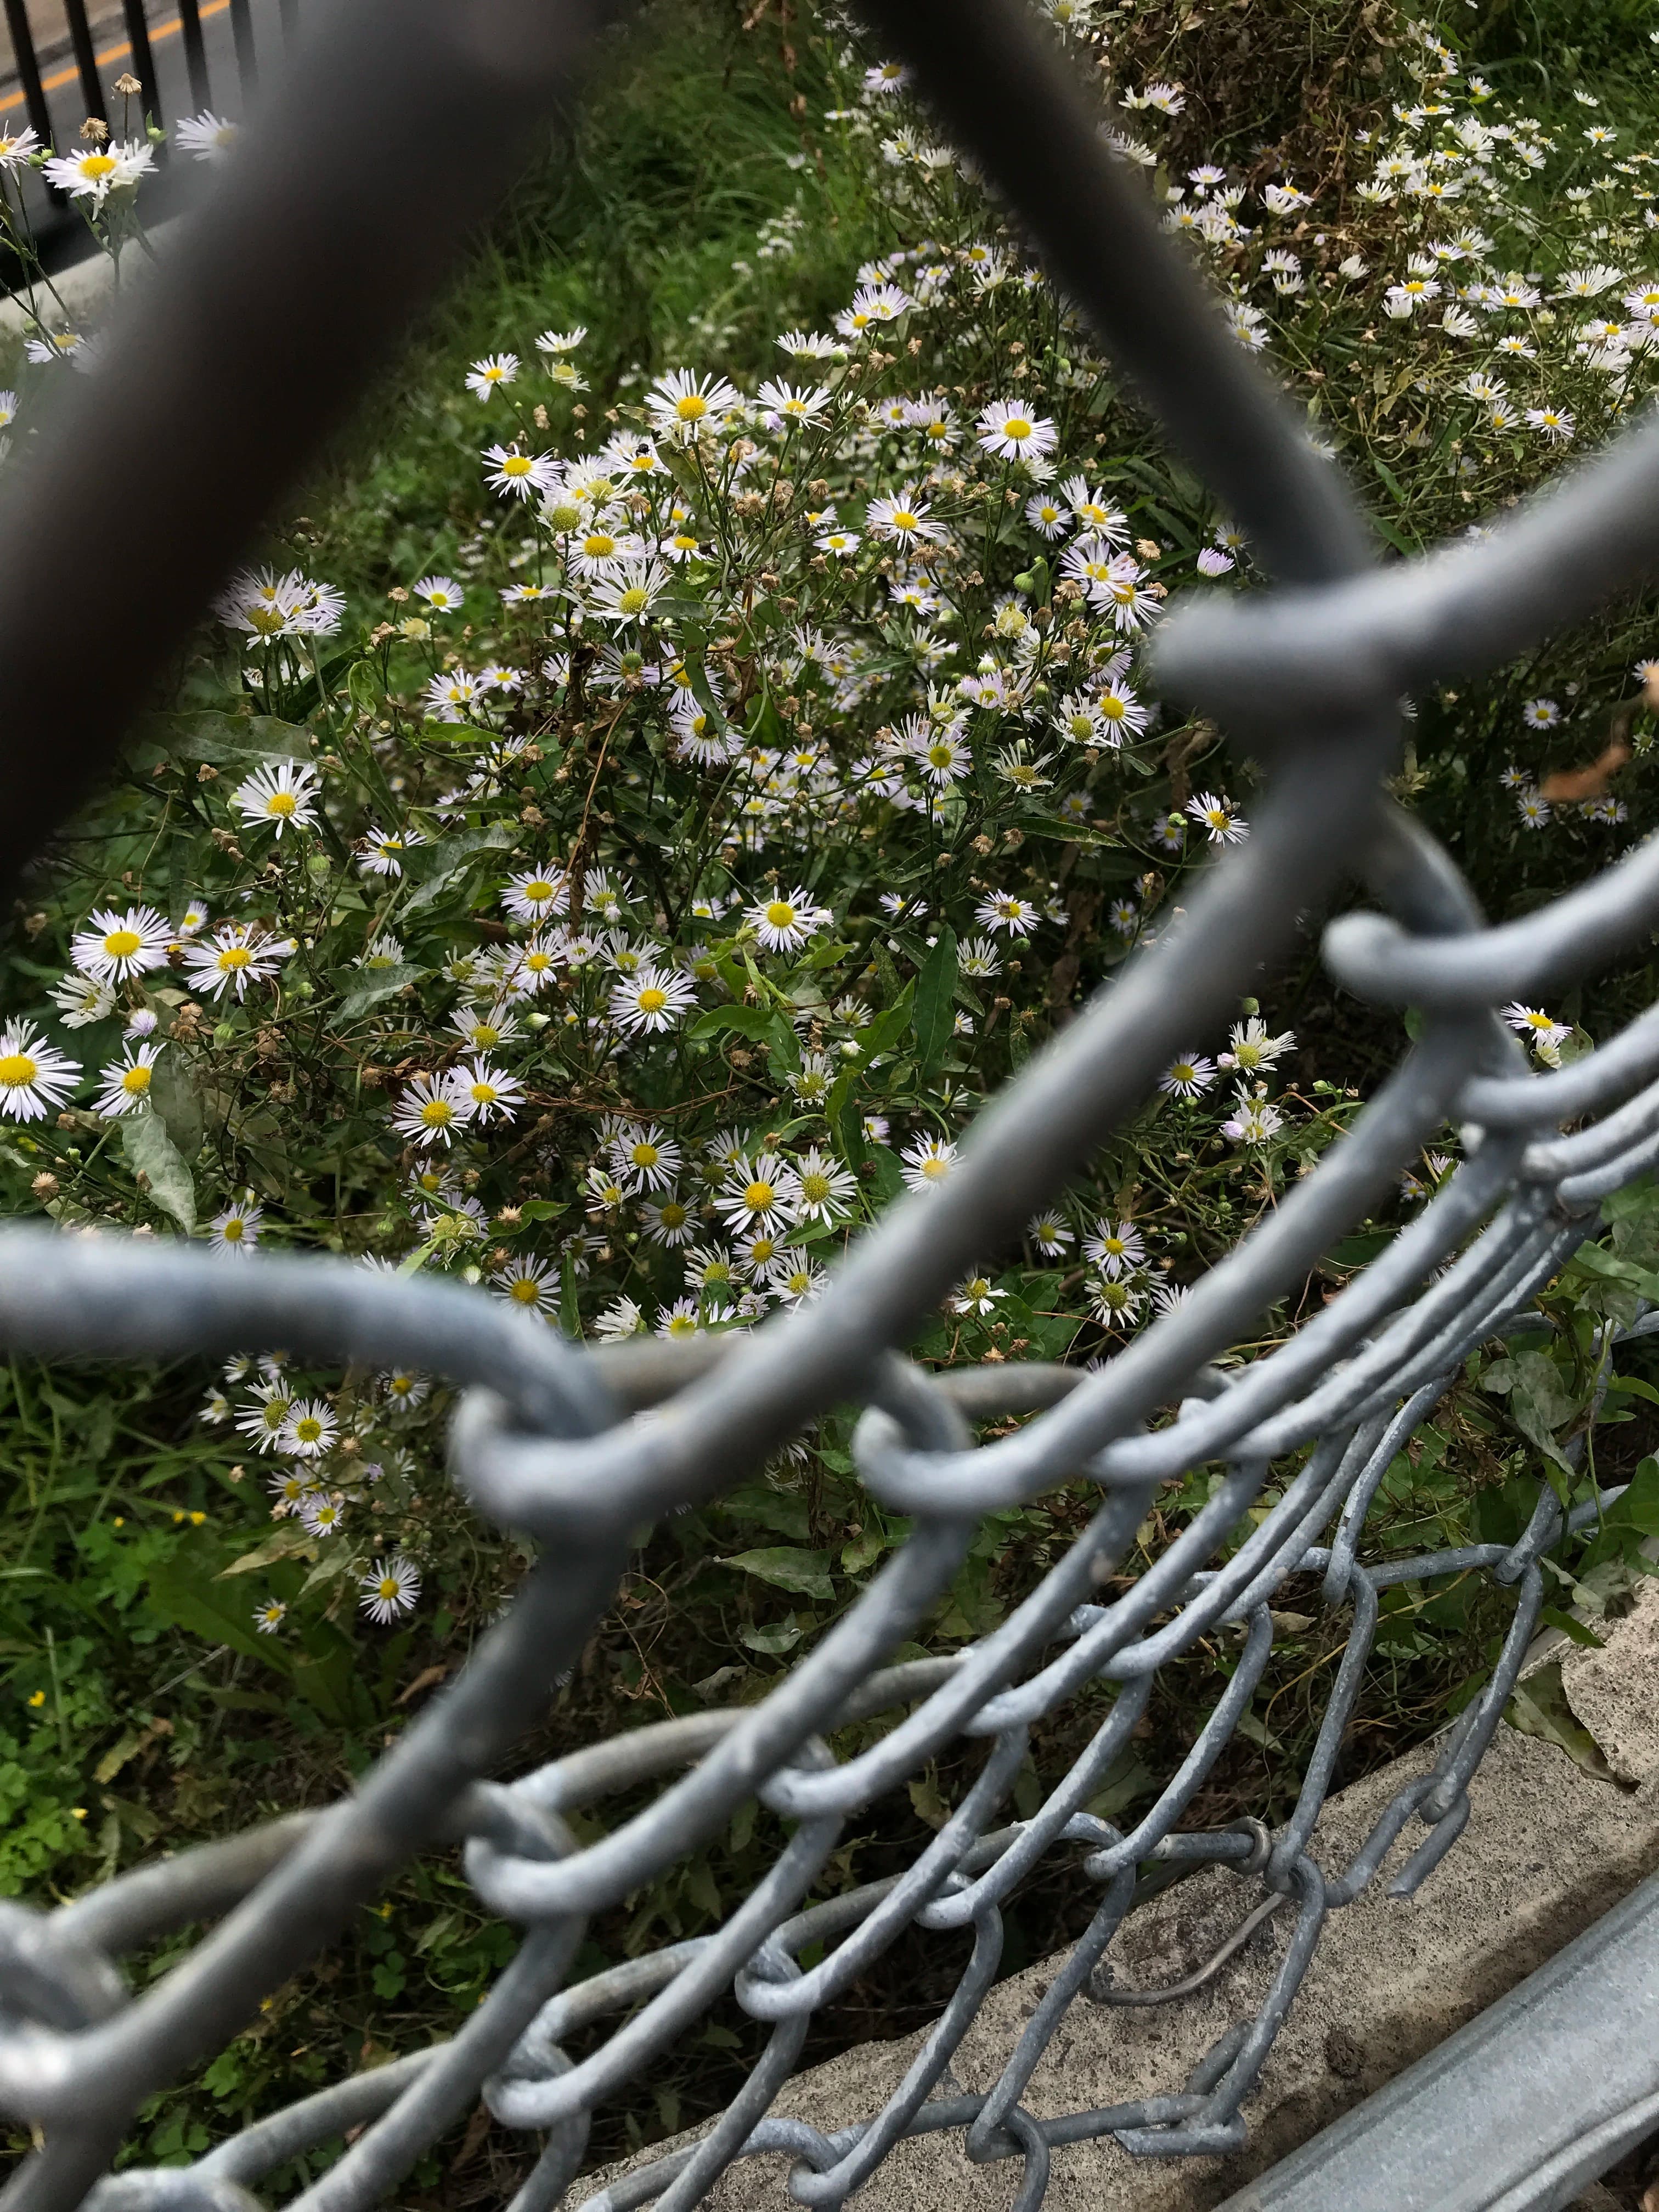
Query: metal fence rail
[546,1440]
[184,56]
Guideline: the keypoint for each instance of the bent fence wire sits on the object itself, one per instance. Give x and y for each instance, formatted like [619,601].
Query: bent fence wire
[579,1448]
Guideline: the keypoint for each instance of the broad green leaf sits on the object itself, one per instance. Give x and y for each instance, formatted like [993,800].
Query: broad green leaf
[451,857]
[805,1573]
[935,1003]
[151,1152]
[374,985]
[184,1597]
[174,1096]
[745,1021]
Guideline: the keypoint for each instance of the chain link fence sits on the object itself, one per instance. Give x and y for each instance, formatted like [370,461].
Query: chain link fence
[579,1448]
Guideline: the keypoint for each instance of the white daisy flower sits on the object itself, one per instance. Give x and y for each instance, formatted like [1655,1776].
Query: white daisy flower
[126,1081]
[391,1589]
[236,1228]
[35,1076]
[281,793]
[117,946]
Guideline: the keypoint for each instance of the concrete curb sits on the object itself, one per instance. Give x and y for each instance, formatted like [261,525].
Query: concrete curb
[1548,1849]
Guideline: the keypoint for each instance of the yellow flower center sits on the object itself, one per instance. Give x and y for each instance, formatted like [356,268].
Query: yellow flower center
[122,944]
[308,1430]
[437,1113]
[484,1035]
[1016,426]
[234,1231]
[692,408]
[673,1215]
[814,1188]
[599,547]
[484,1094]
[940,756]
[781,915]
[651,1000]
[135,1081]
[682,1325]
[758,1196]
[538,962]
[633,600]
[525,1291]
[516,465]
[234,957]
[1112,708]
[389,1587]
[96,165]
[645,1156]
[280,802]
[17,1071]
[903,518]
[933,1168]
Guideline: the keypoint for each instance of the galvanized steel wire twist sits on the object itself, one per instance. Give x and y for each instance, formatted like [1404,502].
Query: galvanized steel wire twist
[549,1440]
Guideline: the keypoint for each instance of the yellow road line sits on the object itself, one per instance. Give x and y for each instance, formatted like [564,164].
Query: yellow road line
[60,78]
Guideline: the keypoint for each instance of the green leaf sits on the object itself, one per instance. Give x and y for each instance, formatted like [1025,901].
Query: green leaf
[745,1021]
[219,740]
[181,1594]
[1639,1506]
[176,1099]
[935,1003]
[451,857]
[1539,1707]
[805,1573]
[374,985]
[151,1152]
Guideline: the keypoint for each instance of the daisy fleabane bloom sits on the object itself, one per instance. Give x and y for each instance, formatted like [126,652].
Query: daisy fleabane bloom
[281,793]
[528,1282]
[206,136]
[519,475]
[126,1081]
[391,1589]
[92,172]
[429,1112]
[1187,1075]
[927,1162]
[561,342]
[1225,824]
[1542,1031]
[486,1093]
[114,946]
[442,594]
[269,1616]
[681,404]
[651,1000]
[762,1194]
[901,518]
[237,1227]
[1011,432]
[235,955]
[487,375]
[82,999]
[783,924]
[309,1429]
[35,1076]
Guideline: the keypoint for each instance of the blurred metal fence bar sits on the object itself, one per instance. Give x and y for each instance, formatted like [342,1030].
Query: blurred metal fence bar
[548,1441]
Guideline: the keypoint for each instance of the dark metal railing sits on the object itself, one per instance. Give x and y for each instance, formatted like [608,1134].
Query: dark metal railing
[180,67]
[327,251]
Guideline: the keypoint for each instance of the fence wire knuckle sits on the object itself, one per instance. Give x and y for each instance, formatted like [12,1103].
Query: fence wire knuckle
[548,1438]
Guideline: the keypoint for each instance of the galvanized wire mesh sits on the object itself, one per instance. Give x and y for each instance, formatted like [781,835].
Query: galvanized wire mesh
[579,1448]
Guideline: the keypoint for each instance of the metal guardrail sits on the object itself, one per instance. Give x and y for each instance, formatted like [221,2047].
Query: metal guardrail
[547,1438]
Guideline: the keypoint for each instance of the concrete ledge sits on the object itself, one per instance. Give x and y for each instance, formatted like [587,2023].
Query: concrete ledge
[1548,1849]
